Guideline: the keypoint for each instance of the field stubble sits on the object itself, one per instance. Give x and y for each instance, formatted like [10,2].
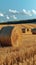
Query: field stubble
[24,55]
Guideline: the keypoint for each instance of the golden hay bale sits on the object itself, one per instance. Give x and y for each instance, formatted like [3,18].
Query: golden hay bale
[10,36]
[16,37]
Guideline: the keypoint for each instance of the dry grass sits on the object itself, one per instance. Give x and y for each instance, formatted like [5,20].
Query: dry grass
[24,25]
[24,55]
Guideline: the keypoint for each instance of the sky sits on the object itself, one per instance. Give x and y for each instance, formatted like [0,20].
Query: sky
[17,10]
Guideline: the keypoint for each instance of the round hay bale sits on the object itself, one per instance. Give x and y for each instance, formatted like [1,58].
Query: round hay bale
[16,37]
[11,36]
[5,36]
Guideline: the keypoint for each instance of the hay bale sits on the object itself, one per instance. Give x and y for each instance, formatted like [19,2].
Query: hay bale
[5,36]
[33,31]
[16,37]
[10,36]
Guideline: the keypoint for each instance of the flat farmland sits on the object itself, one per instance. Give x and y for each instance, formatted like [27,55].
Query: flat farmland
[23,55]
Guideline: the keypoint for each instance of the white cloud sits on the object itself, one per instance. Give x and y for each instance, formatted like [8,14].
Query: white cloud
[34,11]
[27,12]
[1,14]
[14,17]
[13,11]
[24,11]
[7,17]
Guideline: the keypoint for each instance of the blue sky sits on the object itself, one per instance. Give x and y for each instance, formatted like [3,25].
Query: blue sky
[17,10]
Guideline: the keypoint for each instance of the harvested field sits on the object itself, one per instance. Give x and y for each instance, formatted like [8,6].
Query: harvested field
[23,55]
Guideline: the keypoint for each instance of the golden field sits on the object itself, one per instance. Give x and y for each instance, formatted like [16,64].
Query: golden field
[23,55]
[25,25]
